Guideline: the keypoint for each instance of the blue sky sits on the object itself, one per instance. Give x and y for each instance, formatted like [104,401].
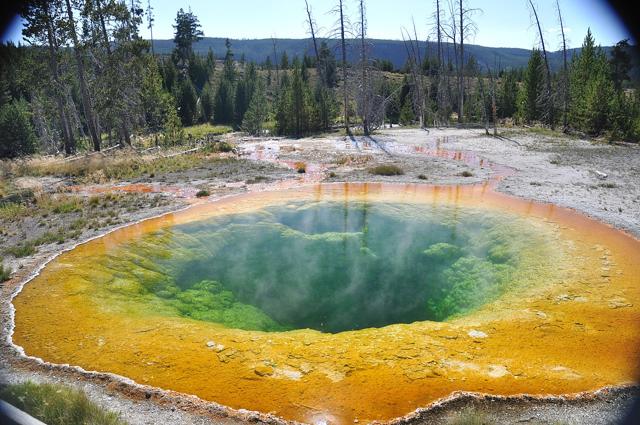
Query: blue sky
[502,23]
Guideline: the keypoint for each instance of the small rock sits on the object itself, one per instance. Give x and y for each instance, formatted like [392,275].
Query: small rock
[263,370]
[477,334]
[619,303]
[211,344]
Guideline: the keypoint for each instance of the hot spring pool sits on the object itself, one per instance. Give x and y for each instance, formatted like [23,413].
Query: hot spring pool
[346,301]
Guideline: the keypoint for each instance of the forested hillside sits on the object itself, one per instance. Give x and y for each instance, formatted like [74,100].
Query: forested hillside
[390,50]
[88,80]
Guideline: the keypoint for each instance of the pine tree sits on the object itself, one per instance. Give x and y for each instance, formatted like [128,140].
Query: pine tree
[284,61]
[241,101]
[591,89]
[223,109]
[620,63]
[532,88]
[187,31]
[229,70]
[187,100]
[507,97]
[328,66]
[18,137]
[257,113]
[207,102]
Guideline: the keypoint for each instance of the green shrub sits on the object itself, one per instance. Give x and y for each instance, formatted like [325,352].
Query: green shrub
[58,405]
[466,173]
[5,273]
[386,170]
[202,193]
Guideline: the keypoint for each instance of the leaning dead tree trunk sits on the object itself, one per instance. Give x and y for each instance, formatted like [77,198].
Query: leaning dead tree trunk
[440,78]
[345,89]
[565,74]
[310,22]
[548,101]
[84,90]
[461,70]
[67,130]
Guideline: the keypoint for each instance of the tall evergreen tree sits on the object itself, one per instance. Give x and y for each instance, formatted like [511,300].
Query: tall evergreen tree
[207,102]
[223,110]
[257,113]
[187,100]
[18,137]
[591,89]
[187,31]
[532,88]
[507,96]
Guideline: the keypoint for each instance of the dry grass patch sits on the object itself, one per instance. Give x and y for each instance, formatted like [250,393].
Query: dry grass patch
[386,170]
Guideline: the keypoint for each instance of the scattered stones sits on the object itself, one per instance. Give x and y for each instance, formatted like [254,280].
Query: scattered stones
[619,303]
[498,371]
[477,334]
[263,370]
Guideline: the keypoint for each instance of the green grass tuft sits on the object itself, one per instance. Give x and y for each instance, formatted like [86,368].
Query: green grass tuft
[58,405]
[23,250]
[202,193]
[11,211]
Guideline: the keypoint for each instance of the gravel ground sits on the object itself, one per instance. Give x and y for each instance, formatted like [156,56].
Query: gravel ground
[560,170]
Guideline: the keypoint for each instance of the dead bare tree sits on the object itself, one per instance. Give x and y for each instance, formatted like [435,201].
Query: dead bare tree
[460,28]
[461,78]
[439,75]
[345,89]
[150,21]
[414,61]
[548,100]
[565,73]
[492,93]
[275,62]
[483,100]
[312,31]
[364,84]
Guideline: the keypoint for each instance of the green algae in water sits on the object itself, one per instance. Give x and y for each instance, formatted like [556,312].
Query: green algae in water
[328,266]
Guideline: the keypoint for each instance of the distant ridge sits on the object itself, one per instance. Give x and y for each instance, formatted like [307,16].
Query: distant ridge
[392,50]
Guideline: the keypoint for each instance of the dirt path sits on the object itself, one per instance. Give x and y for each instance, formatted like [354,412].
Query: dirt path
[561,171]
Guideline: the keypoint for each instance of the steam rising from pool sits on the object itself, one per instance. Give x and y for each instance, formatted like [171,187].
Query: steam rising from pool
[330,266]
